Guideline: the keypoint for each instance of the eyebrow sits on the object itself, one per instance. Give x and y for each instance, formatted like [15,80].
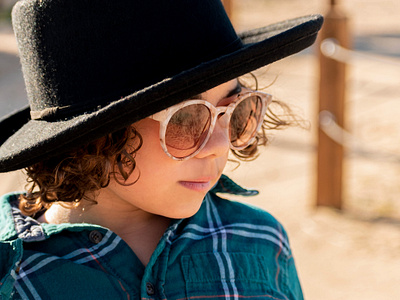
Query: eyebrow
[236,90]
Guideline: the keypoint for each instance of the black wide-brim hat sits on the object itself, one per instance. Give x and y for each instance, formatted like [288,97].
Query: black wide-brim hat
[93,67]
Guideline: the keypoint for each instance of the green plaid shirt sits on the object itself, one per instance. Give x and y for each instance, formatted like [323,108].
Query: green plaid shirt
[227,250]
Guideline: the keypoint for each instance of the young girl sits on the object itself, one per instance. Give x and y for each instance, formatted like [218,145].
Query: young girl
[134,106]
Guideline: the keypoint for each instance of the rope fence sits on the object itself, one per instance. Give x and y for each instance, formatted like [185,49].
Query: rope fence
[343,137]
[331,48]
[327,121]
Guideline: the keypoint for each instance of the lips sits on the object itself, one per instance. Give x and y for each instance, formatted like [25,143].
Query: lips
[199,185]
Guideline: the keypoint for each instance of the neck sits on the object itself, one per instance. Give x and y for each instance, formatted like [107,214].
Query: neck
[139,229]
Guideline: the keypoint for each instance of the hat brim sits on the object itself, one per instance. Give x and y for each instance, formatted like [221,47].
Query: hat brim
[26,142]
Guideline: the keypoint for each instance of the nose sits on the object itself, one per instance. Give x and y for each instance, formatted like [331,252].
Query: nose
[219,142]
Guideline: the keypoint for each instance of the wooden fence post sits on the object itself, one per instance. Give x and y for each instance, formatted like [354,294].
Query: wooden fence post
[331,98]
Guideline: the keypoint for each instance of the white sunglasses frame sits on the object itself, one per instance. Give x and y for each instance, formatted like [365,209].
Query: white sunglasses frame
[165,115]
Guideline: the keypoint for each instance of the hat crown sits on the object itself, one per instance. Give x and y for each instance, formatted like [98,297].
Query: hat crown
[79,54]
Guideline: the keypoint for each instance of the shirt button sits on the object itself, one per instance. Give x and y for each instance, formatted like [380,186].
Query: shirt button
[150,289]
[95,236]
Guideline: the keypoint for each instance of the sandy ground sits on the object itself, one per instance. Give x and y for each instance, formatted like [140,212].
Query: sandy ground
[351,254]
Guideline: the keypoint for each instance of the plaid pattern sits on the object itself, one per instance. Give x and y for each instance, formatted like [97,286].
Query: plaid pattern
[227,250]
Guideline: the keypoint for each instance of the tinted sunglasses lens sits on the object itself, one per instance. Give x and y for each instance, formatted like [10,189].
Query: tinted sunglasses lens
[187,129]
[244,121]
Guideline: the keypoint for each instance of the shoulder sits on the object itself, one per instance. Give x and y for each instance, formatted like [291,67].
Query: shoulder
[231,211]
[237,212]
[246,227]
[36,253]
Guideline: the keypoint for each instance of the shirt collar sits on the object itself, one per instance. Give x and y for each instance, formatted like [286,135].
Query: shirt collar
[225,185]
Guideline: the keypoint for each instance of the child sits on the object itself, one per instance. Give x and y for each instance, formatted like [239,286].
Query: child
[134,106]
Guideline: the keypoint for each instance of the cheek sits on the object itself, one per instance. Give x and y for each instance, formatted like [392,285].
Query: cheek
[151,161]
[150,151]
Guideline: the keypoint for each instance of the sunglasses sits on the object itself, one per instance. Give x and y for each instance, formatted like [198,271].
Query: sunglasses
[186,127]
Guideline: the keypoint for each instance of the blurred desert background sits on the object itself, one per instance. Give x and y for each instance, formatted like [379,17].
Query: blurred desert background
[349,254]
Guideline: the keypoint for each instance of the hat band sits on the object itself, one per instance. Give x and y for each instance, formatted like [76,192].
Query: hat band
[47,113]
[58,112]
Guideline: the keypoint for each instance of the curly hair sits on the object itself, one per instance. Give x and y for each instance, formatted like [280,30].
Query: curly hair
[79,174]
[71,177]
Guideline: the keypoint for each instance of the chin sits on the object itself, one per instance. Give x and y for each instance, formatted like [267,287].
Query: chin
[183,212]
